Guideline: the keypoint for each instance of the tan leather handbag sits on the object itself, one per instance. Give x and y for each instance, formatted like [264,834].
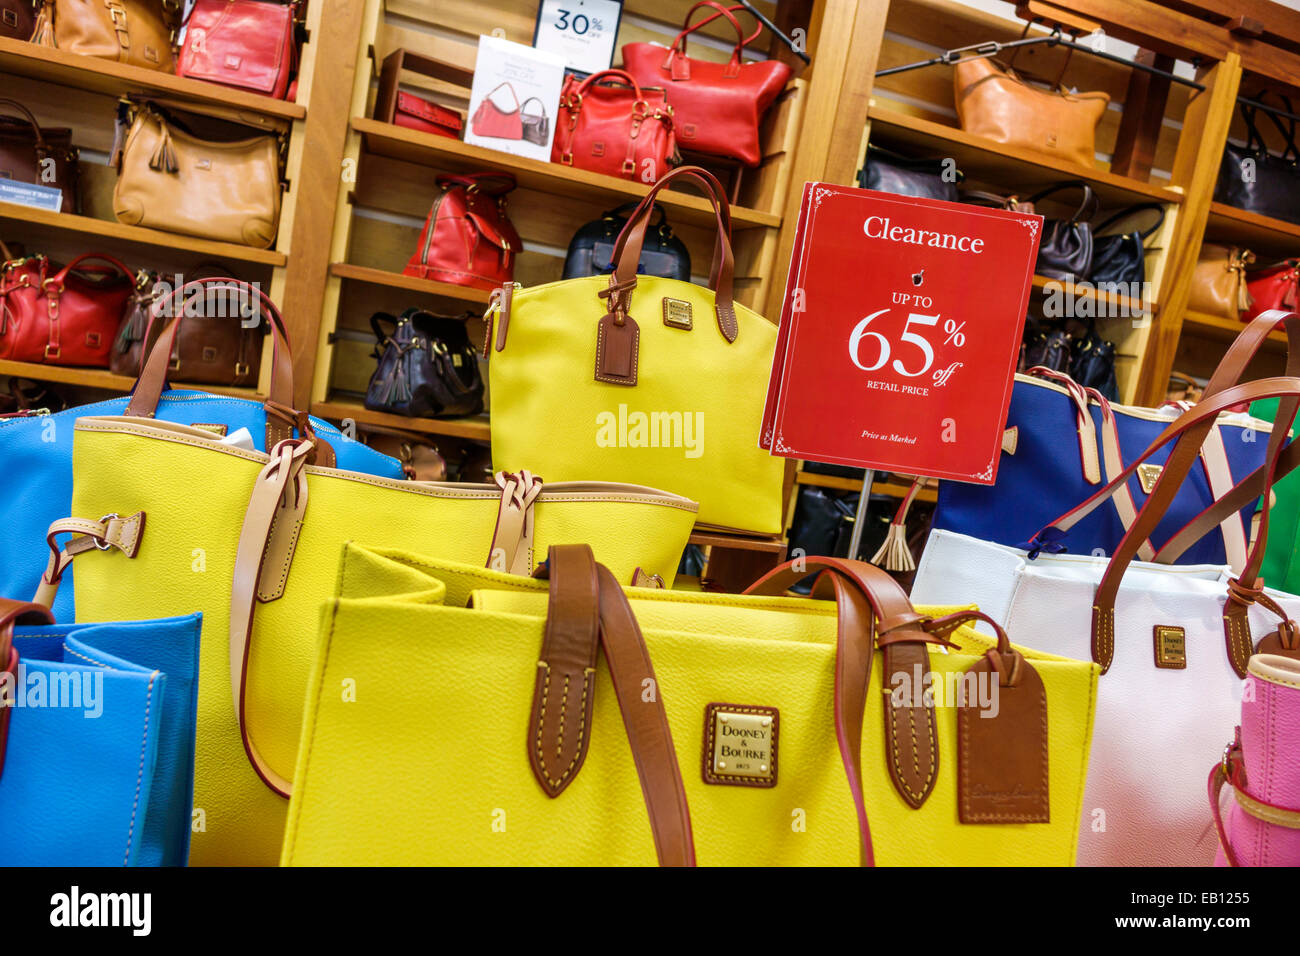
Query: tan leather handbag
[139,32]
[172,180]
[1219,282]
[994,102]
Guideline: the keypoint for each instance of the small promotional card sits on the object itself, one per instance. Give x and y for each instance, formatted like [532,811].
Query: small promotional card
[31,194]
[581,31]
[514,97]
[900,333]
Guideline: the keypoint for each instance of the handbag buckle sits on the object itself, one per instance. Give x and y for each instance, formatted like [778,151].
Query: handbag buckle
[629,166]
[566,158]
[52,351]
[241,369]
[102,543]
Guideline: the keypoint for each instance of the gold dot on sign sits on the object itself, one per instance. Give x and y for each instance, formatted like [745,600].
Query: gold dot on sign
[763,767]
[767,721]
[721,765]
[723,718]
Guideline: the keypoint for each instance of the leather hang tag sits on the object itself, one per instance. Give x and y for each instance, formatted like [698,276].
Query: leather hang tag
[1277,642]
[617,350]
[1002,745]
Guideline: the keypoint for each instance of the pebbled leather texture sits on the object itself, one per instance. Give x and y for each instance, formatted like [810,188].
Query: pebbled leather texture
[1044,478]
[1270,749]
[36,458]
[116,789]
[241,43]
[453,786]
[1156,728]
[152,464]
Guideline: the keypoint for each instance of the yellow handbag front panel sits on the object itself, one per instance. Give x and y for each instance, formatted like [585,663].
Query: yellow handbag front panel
[406,776]
[690,425]
[194,493]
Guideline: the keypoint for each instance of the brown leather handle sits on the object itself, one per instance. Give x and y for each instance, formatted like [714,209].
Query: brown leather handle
[627,248]
[31,119]
[92,257]
[621,75]
[12,613]
[587,606]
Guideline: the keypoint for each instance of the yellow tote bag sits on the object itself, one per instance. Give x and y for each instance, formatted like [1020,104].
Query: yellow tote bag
[640,379]
[400,775]
[197,497]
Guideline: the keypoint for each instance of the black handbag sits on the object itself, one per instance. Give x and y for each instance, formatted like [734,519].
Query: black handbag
[1049,348]
[1092,363]
[1065,251]
[1121,258]
[1250,177]
[537,129]
[427,367]
[888,172]
[592,247]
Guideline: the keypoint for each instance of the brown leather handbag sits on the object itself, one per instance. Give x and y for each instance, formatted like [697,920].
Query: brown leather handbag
[171,179]
[994,102]
[214,347]
[25,148]
[1219,282]
[17,19]
[139,32]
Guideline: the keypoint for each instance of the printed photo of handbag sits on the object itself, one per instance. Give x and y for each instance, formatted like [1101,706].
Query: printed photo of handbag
[536,126]
[608,124]
[492,121]
[468,239]
[246,44]
[427,367]
[717,107]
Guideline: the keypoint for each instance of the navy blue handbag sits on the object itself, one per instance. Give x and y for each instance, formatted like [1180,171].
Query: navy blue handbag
[97,751]
[1054,458]
[36,451]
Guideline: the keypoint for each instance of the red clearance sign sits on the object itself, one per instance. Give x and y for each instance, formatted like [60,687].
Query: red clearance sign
[900,333]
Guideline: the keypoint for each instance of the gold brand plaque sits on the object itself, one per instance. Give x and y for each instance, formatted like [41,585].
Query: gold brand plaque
[740,745]
[677,313]
[1171,647]
[1148,475]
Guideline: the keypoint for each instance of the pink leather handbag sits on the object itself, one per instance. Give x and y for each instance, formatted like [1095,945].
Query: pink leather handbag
[1261,826]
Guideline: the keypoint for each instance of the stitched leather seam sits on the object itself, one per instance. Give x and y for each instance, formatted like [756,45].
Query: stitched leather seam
[894,750]
[1276,680]
[1044,784]
[290,549]
[139,780]
[582,723]
[600,352]
[69,650]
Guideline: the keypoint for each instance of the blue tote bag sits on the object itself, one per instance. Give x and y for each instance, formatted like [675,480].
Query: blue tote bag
[1056,455]
[36,452]
[96,740]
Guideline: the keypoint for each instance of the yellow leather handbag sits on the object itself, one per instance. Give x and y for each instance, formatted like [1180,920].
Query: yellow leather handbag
[718,729]
[640,379]
[253,541]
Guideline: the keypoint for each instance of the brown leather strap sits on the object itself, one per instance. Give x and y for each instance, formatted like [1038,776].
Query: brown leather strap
[586,601]
[13,613]
[41,148]
[627,249]
[110,531]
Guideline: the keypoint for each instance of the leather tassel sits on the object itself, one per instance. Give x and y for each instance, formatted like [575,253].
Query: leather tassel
[164,157]
[894,554]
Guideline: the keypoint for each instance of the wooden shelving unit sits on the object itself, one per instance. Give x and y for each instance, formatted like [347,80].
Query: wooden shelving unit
[98,378]
[840,483]
[395,280]
[472,428]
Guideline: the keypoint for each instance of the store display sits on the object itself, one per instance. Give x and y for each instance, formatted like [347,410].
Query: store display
[584,36]
[1120,258]
[467,238]
[30,154]
[608,124]
[106,779]
[591,250]
[172,180]
[506,76]
[1261,767]
[63,315]
[1275,286]
[491,120]
[932,807]
[717,108]
[1069,443]
[17,19]
[1219,285]
[994,102]
[1251,177]
[674,396]
[247,44]
[221,346]
[415,112]
[135,32]
[888,172]
[1044,347]
[427,366]
[1066,248]
[36,452]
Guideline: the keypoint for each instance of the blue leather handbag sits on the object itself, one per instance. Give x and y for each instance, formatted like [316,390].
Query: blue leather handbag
[1064,442]
[98,751]
[36,452]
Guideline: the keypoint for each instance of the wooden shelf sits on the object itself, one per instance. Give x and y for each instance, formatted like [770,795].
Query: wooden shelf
[442,152]
[983,159]
[100,378]
[109,77]
[475,428]
[1267,238]
[395,280]
[897,489]
[706,537]
[137,235]
[1217,327]
[1116,306]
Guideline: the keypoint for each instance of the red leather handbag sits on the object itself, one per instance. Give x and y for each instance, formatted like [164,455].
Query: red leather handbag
[491,120]
[468,239]
[1274,287]
[241,43]
[65,316]
[717,107]
[413,112]
[608,124]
